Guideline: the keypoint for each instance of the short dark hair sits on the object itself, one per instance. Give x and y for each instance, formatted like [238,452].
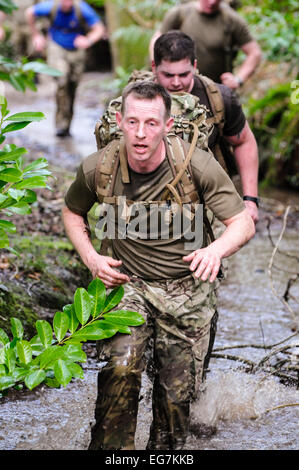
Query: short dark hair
[147,90]
[174,46]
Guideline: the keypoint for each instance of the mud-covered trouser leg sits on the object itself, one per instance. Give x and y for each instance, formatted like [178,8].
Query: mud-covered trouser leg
[71,64]
[119,384]
[182,334]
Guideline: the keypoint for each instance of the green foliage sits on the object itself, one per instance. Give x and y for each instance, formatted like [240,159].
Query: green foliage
[53,354]
[275,25]
[7,6]
[138,21]
[21,74]
[17,178]
[274,119]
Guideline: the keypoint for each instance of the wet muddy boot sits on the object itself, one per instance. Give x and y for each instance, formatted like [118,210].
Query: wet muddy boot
[119,383]
[170,424]
[116,410]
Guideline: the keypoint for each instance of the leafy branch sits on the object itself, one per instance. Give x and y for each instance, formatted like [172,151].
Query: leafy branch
[17,178]
[53,354]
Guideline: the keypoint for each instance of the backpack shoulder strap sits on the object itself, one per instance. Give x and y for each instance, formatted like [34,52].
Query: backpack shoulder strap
[216,101]
[106,170]
[179,160]
[180,153]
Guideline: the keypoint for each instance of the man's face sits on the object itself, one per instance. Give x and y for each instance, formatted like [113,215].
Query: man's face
[209,7]
[175,76]
[144,125]
[66,5]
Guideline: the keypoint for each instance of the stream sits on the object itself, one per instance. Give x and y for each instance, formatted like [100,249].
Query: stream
[237,410]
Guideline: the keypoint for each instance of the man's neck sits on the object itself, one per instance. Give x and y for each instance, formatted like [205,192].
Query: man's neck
[150,165]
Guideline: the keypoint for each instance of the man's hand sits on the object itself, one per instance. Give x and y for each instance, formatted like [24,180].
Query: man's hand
[82,42]
[230,80]
[102,267]
[253,210]
[39,42]
[205,262]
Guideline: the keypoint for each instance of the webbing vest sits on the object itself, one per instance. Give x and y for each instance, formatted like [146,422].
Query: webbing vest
[181,190]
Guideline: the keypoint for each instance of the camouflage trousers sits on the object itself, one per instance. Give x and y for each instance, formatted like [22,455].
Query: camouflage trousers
[71,64]
[176,336]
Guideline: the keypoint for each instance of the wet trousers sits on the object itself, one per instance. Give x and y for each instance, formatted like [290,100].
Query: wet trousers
[71,64]
[177,333]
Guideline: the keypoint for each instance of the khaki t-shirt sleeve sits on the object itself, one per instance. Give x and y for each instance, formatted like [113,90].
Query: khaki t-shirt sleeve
[172,20]
[81,195]
[240,31]
[215,186]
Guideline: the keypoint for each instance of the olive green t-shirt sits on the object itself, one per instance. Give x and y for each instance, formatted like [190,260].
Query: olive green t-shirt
[156,257]
[211,35]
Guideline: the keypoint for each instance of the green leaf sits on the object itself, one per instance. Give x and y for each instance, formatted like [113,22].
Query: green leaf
[94,332]
[11,175]
[16,126]
[62,372]
[11,156]
[124,317]
[98,290]
[20,208]
[26,116]
[48,357]
[44,331]
[4,241]
[16,328]
[120,328]
[19,373]
[24,352]
[2,355]
[6,382]
[4,339]
[41,67]
[76,370]
[60,324]
[36,345]
[10,359]
[34,182]
[114,298]
[16,194]
[2,370]
[74,353]
[7,226]
[35,378]
[82,304]
[73,320]
[52,382]
[38,164]
[7,6]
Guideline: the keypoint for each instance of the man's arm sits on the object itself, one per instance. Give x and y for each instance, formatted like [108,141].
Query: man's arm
[100,266]
[246,155]
[96,32]
[205,262]
[252,60]
[156,35]
[38,39]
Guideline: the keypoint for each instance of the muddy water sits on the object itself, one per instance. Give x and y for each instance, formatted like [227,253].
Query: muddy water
[236,410]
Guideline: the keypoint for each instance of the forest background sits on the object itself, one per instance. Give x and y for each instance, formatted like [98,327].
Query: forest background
[270,100]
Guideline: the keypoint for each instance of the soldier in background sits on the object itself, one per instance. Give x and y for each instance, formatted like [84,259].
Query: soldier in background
[74,27]
[218,32]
